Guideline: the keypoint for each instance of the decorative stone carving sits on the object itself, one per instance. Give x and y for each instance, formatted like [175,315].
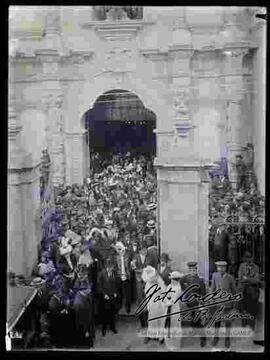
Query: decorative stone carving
[117,30]
[118,12]
[181,103]
[205,62]
[59,165]
[180,58]
[53,100]
[118,59]
[118,54]
[52,21]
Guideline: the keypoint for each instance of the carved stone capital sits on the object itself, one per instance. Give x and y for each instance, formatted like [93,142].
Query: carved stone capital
[180,51]
[183,127]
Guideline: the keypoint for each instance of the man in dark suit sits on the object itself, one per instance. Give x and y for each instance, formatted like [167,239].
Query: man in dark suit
[186,281]
[108,288]
[165,268]
[220,245]
[124,272]
[152,257]
[224,281]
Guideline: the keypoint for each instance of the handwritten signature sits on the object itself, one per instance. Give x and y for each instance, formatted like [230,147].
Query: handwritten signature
[218,297]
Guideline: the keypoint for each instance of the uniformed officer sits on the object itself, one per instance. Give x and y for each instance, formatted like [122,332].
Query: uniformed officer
[224,281]
[186,281]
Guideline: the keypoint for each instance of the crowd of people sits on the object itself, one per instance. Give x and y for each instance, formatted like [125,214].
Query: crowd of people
[236,219]
[99,255]
[95,241]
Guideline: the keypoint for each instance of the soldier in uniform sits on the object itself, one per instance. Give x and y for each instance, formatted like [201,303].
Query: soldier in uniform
[187,280]
[224,281]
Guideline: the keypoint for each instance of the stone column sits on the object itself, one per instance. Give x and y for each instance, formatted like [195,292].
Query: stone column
[181,91]
[76,157]
[182,180]
[53,99]
[15,260]
[234,91]
[183,214]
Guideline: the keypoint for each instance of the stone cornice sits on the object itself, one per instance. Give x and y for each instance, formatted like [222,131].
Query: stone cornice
[51,55]
[155,54]
[117,30]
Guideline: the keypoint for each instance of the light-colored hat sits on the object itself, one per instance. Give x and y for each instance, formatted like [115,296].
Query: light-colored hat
[37,281]
[64,250]
[95,229]
[175,275]
[239,195]
[116,209]
[69,234]
[221,263]
[148,273]
[108,222]
[151,224]
[76,240]
[152,206]
[119,246]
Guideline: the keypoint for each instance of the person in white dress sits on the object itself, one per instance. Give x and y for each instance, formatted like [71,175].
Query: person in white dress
[155,328]
[173,328]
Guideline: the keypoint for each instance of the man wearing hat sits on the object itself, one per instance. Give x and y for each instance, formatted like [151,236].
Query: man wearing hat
[152,257]
[192,278]
[165,269]
[108,288]
[124,271]
[220,245]
[223,281]
[249,280]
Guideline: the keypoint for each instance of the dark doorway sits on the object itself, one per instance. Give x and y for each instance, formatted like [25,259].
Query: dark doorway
[119,123]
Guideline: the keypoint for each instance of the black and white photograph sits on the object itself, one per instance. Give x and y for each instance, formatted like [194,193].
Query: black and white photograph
[136,178]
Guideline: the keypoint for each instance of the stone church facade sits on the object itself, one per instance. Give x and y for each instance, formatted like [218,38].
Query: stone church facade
[201,71]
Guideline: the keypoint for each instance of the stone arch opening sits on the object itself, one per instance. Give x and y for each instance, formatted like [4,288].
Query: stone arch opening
[119,122]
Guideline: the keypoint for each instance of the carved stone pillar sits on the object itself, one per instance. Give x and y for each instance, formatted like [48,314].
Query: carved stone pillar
[76,154]
[234,95]
[15,156]
[15,221]
[55,135]
[184,214]
[181,90]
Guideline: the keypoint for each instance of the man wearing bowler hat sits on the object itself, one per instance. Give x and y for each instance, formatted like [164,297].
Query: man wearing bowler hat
[224,281]
[192,278]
